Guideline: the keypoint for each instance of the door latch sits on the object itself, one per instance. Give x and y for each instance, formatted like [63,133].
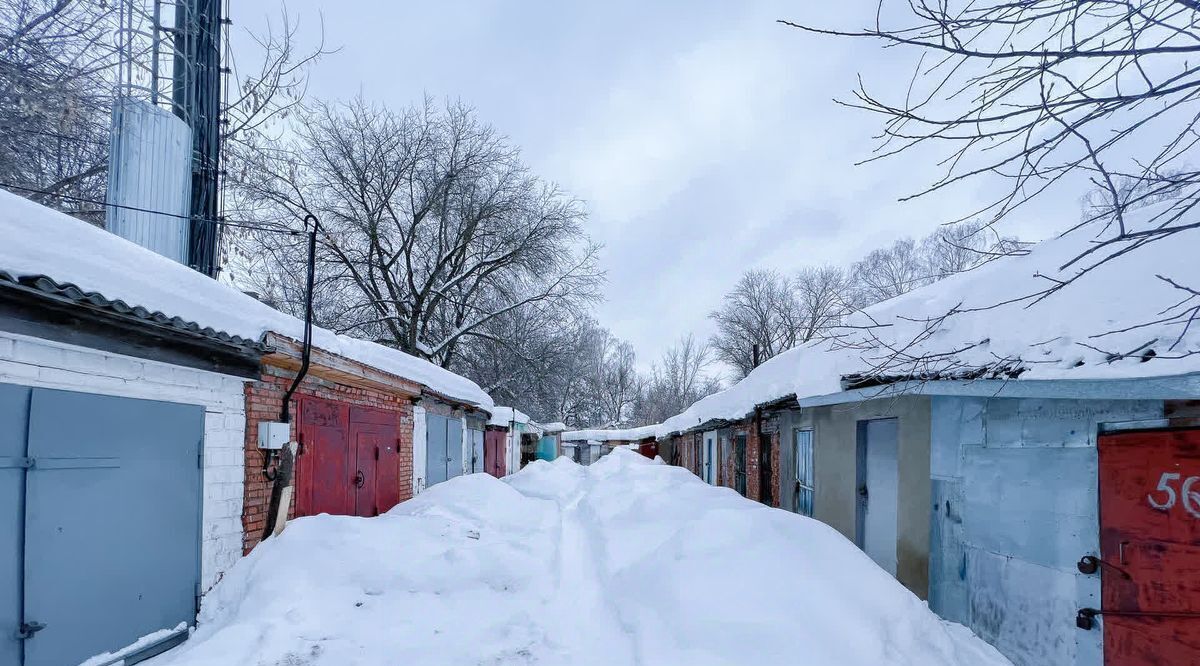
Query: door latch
[359,479]
[1090,564]
[1085,618]
[28,629]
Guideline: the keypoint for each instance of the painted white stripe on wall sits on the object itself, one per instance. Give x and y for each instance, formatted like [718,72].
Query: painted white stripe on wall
[418,478]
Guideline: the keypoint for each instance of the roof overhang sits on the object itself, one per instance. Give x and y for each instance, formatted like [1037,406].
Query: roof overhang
[1175,387]
[40,307]
[287,353]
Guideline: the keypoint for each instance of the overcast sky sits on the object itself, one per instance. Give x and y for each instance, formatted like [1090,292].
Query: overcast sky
[701,134]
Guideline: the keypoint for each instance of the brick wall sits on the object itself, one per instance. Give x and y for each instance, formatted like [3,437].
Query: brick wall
[41,363]
[264,401]
[752,460]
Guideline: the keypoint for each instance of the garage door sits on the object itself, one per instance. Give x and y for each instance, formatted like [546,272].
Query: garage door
[1149,547]
[101,496]
[349,461]
[443,449]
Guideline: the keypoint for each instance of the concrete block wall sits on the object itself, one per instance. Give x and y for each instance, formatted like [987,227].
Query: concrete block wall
[1014,505]
[263,402]
[46,364]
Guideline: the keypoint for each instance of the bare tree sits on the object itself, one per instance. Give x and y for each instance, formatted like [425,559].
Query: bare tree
[955,248]
[619,383]
[1046,92]
[825,295]
[55,97]
[432,227]
[678,380]
[888,272]
[761,312]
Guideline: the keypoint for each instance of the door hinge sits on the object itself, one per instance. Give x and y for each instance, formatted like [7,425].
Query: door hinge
[18,463]
[28,629]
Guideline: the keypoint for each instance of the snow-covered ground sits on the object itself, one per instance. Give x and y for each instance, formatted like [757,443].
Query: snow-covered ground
[624,562]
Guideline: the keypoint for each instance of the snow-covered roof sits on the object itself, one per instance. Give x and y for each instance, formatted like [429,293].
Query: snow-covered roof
[506,416]
[600,435]
[552,428]
[41,241]
[995,329]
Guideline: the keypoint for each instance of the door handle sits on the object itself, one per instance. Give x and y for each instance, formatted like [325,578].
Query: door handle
[359,479]
[862,492]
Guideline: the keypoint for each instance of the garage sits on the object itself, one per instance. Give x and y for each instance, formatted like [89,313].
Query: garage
[101,495]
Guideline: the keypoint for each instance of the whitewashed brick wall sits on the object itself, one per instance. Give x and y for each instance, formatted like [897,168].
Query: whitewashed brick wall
[42,363]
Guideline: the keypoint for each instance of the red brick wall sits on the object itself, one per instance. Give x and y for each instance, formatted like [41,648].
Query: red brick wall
[264,401]
[752,455]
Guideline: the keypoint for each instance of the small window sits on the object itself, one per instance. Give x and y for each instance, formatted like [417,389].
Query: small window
[804,472]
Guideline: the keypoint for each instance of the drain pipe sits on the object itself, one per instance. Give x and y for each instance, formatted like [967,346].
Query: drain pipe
[281,479]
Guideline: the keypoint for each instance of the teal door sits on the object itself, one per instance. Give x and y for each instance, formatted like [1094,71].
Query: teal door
[109,520]
[547,448]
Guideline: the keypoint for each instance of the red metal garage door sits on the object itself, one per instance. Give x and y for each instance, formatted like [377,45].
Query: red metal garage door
[1150,535]
[377,476]
[349,461]
[493,452]
[322,468]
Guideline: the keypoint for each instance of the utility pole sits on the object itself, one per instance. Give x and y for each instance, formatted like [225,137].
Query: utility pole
[197,100]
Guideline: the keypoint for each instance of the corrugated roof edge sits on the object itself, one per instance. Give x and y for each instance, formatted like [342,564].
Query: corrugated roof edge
[69,292]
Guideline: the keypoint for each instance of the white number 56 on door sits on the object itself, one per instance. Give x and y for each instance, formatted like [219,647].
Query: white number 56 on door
[1167,497]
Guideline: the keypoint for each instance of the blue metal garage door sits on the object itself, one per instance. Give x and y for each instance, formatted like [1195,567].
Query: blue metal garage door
[107,519]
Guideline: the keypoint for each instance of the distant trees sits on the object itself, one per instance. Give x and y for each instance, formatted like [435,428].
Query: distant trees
[681,378]
[773,312]
[757,319]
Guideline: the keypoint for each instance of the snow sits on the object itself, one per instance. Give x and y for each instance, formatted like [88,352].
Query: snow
[626,435]
[41,241]
[627,561]
[116,657]
[555,427]
[1065,336]
[506,416]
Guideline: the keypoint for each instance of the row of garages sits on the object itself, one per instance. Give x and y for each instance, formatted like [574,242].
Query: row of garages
[1058,518]
[997,508]
[131,471]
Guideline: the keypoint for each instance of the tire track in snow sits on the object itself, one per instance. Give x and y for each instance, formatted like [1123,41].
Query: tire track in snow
[586,613]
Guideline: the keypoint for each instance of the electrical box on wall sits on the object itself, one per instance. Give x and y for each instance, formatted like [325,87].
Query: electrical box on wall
[273,436]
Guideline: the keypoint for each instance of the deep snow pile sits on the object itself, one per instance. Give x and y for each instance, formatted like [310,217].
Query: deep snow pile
[624,562]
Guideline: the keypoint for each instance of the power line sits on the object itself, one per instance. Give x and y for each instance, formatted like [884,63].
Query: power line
[54,135]
[227,223]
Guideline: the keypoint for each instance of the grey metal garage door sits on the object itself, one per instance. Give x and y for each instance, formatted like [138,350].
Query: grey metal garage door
[443,449]
[101,497]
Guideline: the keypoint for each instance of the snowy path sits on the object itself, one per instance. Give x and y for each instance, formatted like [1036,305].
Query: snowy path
[624,563]
[588,617]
